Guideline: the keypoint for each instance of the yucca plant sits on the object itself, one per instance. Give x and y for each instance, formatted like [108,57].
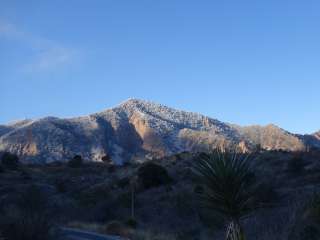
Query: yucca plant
[229,188]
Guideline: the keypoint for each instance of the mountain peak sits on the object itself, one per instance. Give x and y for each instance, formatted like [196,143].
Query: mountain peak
[132,101]
[136,102]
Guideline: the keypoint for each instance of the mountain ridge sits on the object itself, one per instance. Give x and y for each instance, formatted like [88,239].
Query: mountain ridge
[137,129]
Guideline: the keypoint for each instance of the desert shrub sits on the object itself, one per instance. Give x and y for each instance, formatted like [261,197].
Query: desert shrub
[131,222]
[117,228]
[10,161]
[198,189]
[123,182]
[152,175]
[148,235]
[93,195]
[87,226]
[309,232]
[124,199]
[30,218]
[111,168]
[107,159]
[25,174]
[296,165]
[312,208]
[266,195]
[183,202]
[75,162]
[61,185]
[190,234]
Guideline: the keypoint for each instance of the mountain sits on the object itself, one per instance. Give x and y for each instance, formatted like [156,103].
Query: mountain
[136,129]
[317,135]
[312,140]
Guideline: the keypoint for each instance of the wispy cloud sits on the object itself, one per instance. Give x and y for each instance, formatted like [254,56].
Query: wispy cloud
[47,54]
[8,30]
[50,58]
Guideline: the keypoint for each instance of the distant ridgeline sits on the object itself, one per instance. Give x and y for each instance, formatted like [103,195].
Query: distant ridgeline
[139,129]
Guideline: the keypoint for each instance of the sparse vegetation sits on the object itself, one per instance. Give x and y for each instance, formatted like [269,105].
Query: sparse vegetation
[171,209]
[10,161]
[296,165]
[30,218]
[131,222]
[312,208]
[149,235]
[117,228]
[310,232]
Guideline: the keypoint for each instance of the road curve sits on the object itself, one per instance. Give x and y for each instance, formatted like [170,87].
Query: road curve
[76,234]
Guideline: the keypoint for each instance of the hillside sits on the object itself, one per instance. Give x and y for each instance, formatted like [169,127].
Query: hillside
[137,129]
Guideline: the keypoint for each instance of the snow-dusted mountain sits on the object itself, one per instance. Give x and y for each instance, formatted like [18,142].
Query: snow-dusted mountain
[135,129]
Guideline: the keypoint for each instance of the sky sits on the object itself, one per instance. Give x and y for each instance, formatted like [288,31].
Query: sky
[244,62]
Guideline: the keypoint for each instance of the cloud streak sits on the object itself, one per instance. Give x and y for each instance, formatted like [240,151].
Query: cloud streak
[47,54]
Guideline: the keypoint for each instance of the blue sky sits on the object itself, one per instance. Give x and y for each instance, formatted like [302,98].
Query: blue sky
[245,62]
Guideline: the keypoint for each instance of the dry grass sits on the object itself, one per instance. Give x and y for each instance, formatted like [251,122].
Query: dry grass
[92,227]
[149,235]
[115,228]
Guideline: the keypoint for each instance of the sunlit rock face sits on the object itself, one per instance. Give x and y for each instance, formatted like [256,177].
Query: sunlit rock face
[137,129]
[271,137]
[317,135]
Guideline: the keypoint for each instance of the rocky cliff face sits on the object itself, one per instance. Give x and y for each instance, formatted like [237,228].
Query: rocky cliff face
[132,130]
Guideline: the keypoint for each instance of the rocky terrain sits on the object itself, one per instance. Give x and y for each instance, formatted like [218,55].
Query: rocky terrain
[138,129]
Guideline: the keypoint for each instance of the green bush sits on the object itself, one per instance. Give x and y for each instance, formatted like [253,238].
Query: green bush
[75,162]
[152,175]
[10,161]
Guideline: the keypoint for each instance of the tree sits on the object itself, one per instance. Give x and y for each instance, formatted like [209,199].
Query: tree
[10,161]
[153,175]
[258,148]
[229,188]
